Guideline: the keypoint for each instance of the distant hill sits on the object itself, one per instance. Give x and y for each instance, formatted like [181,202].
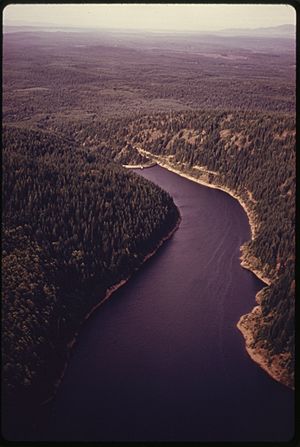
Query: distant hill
[287,30]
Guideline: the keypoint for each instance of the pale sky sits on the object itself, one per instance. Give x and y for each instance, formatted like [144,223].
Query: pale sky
[177,17]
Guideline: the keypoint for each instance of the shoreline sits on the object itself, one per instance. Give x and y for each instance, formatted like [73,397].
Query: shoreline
[251,218]
[253,225]
[164,164]
[247,322]
[110,291]
[259,354]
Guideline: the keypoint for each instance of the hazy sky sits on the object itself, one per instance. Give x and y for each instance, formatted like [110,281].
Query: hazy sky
[184,17]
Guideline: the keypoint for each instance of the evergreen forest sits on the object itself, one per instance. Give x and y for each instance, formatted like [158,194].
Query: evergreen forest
[74,225]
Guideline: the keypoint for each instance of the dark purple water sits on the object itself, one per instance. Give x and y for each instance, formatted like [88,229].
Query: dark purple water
[163,359]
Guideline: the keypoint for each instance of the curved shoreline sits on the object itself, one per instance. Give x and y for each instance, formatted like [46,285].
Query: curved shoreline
[107,295]
[164,164]
[246,324]
[259,355]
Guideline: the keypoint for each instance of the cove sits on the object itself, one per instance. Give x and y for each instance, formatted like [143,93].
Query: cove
[162,360]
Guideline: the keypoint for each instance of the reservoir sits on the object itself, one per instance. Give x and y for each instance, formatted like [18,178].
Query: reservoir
[162,360]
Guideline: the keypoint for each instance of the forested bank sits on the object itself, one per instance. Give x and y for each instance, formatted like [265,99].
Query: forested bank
[252,154]
[74,224]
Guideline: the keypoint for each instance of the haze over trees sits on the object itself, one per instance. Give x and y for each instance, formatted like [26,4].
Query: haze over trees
[78,105]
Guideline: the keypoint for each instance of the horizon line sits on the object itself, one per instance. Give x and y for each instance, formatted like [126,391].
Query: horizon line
[20,23]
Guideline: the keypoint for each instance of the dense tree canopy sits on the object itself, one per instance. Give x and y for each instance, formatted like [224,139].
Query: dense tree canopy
[74,225]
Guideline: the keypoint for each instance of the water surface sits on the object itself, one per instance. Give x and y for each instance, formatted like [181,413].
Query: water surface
[163,359]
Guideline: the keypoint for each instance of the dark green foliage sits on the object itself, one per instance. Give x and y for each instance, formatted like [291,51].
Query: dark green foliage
[74,225]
